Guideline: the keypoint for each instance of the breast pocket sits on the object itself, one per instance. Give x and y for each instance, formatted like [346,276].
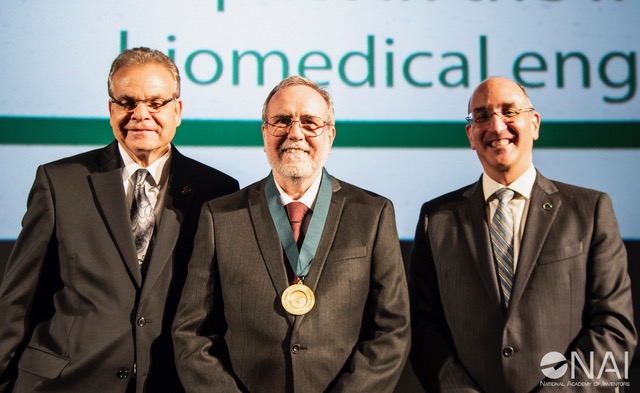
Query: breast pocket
[346,268]
[348,253]
[561,253]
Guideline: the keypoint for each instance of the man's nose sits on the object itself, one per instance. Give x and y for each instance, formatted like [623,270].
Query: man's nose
[497,123]
[140,112]
[295,131]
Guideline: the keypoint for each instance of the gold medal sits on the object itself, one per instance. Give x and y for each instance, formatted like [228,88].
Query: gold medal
[298,299]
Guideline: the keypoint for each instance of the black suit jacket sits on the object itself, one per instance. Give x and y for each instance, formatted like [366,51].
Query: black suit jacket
[77,312]
[571,292]
[232,333]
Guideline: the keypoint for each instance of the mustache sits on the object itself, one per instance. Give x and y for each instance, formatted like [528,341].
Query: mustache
[510,133]
[286,145]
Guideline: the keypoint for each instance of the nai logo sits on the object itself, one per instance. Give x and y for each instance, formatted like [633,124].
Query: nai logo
[549,365]
[554,365]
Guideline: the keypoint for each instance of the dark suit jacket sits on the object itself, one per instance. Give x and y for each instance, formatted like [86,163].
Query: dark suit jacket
[76,311]
[571,291]
[231,332]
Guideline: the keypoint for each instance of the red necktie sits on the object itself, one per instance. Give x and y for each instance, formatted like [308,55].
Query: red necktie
[296,212]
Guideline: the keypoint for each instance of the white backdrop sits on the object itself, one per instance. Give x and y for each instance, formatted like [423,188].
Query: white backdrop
[397,60]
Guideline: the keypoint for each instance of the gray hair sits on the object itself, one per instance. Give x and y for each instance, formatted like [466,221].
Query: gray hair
[296,80]
[140,56]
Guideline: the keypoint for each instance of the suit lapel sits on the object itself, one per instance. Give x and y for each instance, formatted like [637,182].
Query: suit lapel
[539,221]
[178,202]
[328,234]
[111,202]
[474,226]
[267,237]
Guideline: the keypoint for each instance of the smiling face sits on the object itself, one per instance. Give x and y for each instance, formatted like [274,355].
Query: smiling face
[295,157]
[144,135]
[503,147]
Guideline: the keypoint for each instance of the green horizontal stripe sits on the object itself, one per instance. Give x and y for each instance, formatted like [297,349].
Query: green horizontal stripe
[400,134]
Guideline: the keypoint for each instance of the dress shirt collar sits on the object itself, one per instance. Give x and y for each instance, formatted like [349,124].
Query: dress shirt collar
[522,185]
[309,196]
[155,169]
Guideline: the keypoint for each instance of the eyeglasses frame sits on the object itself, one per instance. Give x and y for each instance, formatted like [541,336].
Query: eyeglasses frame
[311,134]
[511,119]
[146,103]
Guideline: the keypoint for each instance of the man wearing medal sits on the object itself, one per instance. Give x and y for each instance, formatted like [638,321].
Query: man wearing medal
[279,300]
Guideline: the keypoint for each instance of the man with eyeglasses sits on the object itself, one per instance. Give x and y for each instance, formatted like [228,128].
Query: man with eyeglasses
[92,285]
[515,275]
[296,283]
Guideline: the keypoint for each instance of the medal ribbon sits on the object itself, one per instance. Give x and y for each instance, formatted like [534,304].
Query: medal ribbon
[300,260]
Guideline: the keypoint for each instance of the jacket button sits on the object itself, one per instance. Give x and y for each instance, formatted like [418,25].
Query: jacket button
[295,348]
[123,373]
[142,321]
[508,351]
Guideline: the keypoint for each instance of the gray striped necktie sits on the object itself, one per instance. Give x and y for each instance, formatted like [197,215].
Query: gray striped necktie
[502,241]
[142,218]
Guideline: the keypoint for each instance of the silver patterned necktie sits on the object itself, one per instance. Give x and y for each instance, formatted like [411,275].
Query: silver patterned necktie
[502,241]
[142,218]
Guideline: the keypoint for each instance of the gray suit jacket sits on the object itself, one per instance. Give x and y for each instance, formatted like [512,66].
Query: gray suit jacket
[76,311]
[231,332]
[571,291]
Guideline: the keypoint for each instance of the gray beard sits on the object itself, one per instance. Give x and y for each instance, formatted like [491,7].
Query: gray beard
[296,171]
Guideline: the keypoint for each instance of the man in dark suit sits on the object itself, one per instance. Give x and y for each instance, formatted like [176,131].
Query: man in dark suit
[84,307]
[497,284]
[269,307]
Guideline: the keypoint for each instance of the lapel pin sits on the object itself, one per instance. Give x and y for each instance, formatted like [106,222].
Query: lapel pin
[546,206]
[186,190]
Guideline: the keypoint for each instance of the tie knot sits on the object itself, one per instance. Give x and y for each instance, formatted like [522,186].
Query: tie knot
[141,176]
[505,195]
[296,211]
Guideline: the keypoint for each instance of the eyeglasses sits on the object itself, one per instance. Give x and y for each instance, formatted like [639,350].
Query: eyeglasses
[311,126]
[153,106]
[507,116]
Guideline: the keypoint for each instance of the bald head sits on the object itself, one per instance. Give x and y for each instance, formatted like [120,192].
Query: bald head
[499,82]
